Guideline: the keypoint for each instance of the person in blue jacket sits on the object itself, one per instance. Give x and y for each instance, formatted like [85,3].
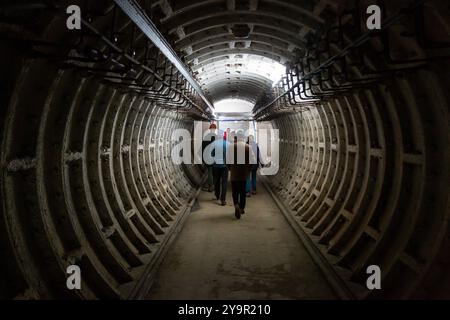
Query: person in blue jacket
[220,170]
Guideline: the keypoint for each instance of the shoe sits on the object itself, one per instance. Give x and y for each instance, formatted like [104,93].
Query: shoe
[242,211]
[237,212]
[248,195]
[254,192]
[223,203]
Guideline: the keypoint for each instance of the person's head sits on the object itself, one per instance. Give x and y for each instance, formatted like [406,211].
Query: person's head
[230,136]
[212,126]
[240,135]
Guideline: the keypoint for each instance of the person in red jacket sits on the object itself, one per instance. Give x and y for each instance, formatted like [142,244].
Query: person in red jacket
[226,134]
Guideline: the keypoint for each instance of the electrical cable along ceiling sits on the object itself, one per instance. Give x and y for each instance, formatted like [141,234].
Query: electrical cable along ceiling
[86,170]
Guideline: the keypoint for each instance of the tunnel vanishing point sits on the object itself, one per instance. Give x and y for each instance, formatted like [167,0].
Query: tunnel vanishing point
[87,115]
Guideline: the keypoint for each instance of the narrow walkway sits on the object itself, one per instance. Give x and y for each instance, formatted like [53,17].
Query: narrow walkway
[257,257]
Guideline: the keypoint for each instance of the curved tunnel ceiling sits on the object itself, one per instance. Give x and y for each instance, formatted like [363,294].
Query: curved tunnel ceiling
[215,36]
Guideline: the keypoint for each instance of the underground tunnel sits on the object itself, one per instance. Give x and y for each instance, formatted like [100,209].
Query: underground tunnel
[91,92]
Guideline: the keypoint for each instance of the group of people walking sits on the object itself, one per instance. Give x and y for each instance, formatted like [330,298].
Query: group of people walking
[238,158]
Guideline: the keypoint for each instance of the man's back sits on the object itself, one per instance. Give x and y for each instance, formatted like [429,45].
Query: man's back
[238,160]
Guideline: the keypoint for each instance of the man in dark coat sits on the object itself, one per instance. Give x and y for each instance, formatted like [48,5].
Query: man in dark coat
[238,161]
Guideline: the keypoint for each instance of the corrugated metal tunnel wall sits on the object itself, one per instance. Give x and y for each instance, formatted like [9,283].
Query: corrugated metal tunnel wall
[86,170]
[367,176]
[88,179]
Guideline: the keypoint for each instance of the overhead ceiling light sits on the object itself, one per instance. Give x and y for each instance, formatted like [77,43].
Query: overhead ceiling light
[233,105]
[265,67]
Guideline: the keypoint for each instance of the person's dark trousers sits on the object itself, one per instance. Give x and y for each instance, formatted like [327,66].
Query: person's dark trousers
[210,178]
[220,182]
[251,181]
[239,196]
[209,183]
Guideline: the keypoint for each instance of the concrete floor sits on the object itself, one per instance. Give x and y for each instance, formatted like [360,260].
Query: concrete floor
[258,257]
